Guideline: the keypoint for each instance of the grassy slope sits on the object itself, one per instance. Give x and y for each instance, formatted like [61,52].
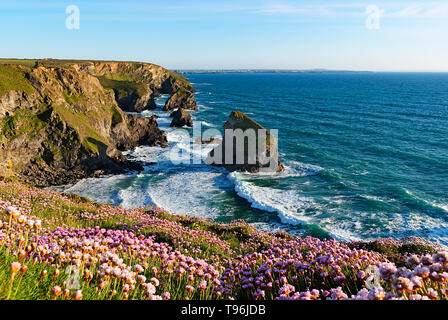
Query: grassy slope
[219,245]
[22,124]
[30,63]
[58,210]
[64,63]
[124,87]
[180,78]
[12,78]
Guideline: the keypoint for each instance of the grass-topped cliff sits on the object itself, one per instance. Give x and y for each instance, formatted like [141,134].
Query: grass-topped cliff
[49,239]
[61,120]
[135,84]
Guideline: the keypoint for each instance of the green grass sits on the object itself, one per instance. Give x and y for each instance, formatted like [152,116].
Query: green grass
[182,92]
[122,86]
[13,78]
[395,251]
[234,234]
[59,210]
[65,210]
[93,144]
[30,63]
[116,117]
[180,78]
[71,99]
[21,123]
[82,123]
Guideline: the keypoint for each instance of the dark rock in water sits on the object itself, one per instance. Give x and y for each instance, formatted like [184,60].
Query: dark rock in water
[203,140]
[181,118]
[181,99]
[143,131]
[246,146]
[134,165]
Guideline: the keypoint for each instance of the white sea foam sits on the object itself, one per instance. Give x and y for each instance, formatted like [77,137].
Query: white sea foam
[102,189]
[336,200]
[287,203]
[341,233]
[444,207]
[429,203]
[189,193]
[208,124]
[292,169]
[187,189]
[377,198]
[207,191]
[134,196]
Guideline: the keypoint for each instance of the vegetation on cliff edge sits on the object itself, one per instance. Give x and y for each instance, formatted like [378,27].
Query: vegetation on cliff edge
[13,78]
[60,246]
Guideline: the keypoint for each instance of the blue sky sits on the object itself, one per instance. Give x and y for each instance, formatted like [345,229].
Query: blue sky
[413,35]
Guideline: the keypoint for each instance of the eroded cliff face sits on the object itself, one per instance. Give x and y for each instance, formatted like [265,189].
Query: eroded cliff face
[135,84]
[59,123]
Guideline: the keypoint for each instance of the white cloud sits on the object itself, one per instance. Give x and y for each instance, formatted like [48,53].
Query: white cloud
[390,9]
[440,11]
[411,11]
[312,10]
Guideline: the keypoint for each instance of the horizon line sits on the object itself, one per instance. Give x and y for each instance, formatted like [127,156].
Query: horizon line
[317,69]
[302,70]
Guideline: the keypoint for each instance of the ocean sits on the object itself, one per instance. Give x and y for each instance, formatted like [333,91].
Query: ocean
[366,156]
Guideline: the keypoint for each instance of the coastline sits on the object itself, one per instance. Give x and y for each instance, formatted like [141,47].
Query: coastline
[341,212]
[128,251]
[294,207]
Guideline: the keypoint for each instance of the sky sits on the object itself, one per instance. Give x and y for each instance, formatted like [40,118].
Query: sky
[376,35]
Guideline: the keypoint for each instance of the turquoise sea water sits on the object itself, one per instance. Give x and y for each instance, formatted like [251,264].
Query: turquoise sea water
[366,156]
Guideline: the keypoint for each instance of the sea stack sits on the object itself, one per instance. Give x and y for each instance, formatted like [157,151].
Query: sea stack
[182,98]
[181,118]
[246,146]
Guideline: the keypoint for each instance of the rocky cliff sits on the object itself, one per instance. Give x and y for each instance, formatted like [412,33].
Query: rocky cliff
[135,84]
[246,146]
[62,120]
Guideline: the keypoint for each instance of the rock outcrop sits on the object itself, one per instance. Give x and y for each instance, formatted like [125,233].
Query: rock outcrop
[135,84]
[143,131]
[246,146]
[131,96]
[181,118]
[58,123]
[181,99]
